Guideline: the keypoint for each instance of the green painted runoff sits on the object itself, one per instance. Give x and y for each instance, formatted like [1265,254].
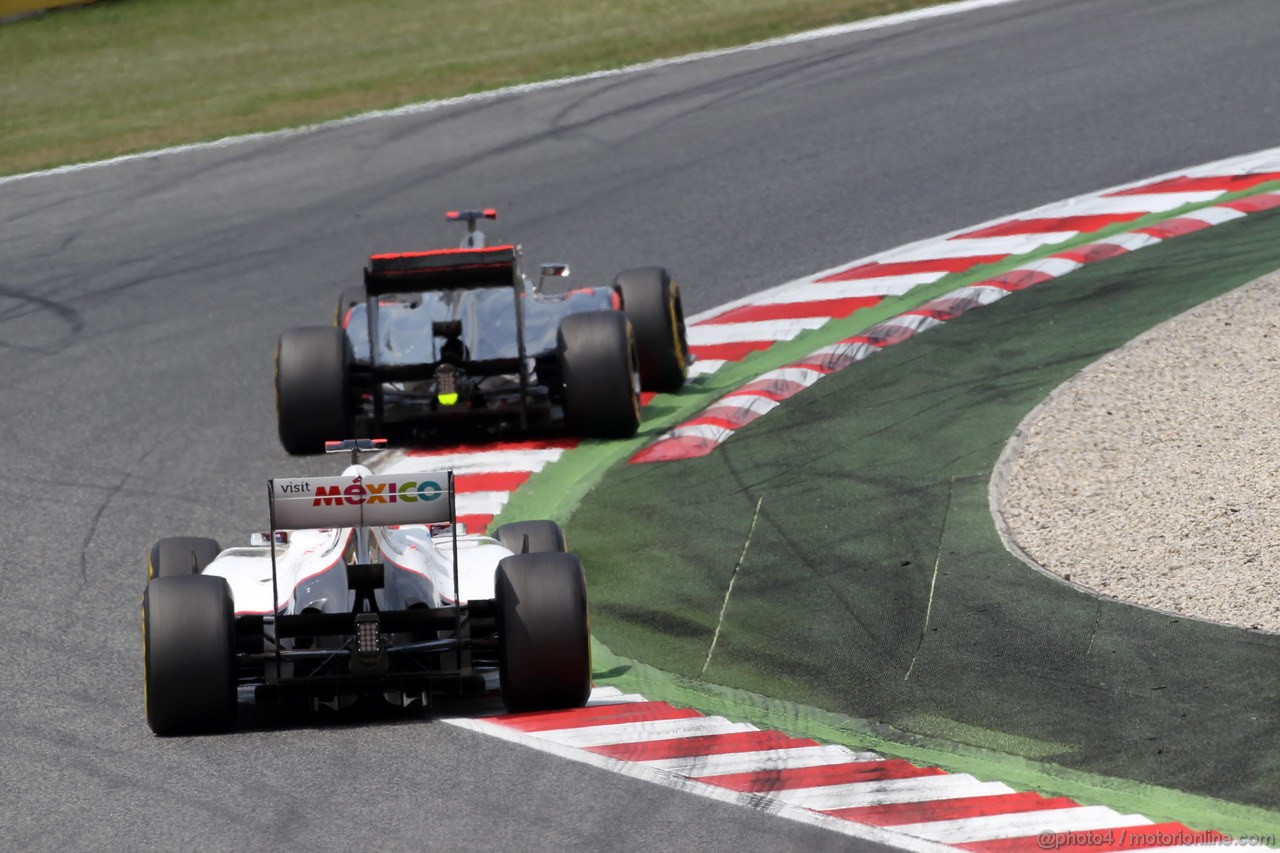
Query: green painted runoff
[872,491]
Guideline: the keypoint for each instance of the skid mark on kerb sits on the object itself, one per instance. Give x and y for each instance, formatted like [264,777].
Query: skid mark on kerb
[856,793]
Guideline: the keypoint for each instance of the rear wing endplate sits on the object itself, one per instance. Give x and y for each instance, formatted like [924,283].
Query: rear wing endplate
[379,500]
[443,269]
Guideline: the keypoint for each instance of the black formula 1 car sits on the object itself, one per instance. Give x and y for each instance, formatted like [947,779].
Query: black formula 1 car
[364,587]
[446,342]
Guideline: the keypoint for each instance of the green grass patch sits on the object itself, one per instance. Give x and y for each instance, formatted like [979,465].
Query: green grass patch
[134,75]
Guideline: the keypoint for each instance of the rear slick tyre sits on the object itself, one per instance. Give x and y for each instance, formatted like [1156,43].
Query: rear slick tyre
[188,636]
[350,297]
[313,388]
[544,648]
[598,364]
[651,301]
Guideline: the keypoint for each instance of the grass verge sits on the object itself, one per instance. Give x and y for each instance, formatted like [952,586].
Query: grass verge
[135,75]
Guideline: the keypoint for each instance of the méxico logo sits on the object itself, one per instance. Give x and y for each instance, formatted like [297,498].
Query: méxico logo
[362,492]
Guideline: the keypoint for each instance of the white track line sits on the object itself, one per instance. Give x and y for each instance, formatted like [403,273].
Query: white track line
[1214,215]
[989,827]
[755,330]
[481,461]
[682,727]
[763,760]
[884,791]
[890,285]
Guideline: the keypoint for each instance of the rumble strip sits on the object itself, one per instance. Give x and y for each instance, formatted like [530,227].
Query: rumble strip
[860,794]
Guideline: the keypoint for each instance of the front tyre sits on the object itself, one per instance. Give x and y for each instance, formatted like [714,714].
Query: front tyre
[544,648]
[531,537]
[188,636]
[348,299]
[313,388]
[597,354]
[651,300]
[176,556]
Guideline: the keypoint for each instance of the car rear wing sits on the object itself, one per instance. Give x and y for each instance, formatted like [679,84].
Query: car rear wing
[442,269]
[301,503]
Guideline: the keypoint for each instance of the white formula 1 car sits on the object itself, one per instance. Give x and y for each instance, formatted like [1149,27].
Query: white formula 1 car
[364,586]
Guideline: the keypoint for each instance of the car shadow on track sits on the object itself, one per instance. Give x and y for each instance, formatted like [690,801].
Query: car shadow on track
[365,713]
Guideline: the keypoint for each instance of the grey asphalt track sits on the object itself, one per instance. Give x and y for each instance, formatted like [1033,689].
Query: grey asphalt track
[139,305]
